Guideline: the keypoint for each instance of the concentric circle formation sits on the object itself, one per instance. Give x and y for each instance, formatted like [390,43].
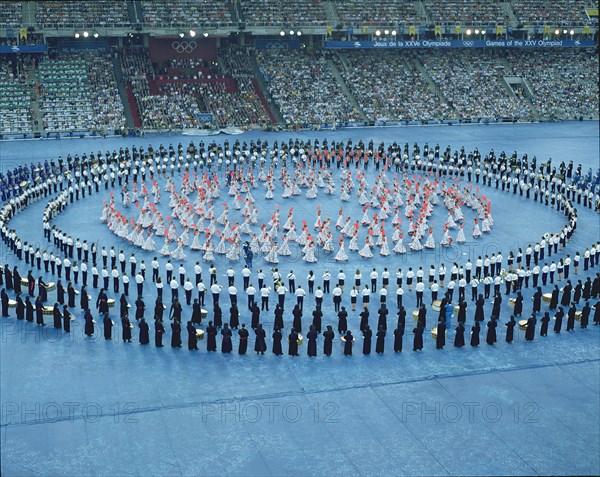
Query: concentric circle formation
[349,224]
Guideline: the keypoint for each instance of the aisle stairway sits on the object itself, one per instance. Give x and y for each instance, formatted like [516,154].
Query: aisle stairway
[345,90]
[127,109]
[37,125]
[414,62]
[260,85]
[331,14]
[28,10]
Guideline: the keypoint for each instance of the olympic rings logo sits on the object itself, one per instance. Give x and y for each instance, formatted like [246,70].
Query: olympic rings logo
[468,43]
[277,46]
[184,46]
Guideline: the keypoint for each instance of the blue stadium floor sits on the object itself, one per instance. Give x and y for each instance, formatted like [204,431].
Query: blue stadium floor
[73,405]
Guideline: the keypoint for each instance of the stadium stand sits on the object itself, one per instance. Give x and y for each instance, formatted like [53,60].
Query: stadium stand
[283,12]
[176,107]
[564,83]
[397,92]
[384,12]
[15,100]
[473,88]
[102,13]
[304,88]
[465,12]
[186,13]
[79,93]
[11,14]
[310,86]
[570,12]
[245,105]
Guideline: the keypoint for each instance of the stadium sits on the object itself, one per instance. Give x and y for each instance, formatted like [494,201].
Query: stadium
[299,237]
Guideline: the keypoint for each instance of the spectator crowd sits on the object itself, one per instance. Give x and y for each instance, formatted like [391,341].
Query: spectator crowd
[85,14]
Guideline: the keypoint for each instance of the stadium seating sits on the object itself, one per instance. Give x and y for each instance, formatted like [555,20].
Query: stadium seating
[11,14]
[389,88]
[304,88]
[135,62]
[570,12]
[564,83]
[383,12]
[242,107]
[473,88]
[82,14]
[465,12]
[79,93]
[175,108]
[186,13]
[15,101]
[283,12]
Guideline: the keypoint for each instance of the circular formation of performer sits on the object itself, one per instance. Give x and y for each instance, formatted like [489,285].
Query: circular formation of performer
[381,193]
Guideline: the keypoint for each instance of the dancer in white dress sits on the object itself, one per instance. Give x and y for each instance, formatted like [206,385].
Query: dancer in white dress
[460,238]
[149,244]
[165,249]
[284,248]
[430,242]
[196,245]
[178,253]
[209,256]
[328,245]
[476,231]
[341,255]
[271,257]
[399,247]
[310,253]
[221,247]
[485,225]
[385,248]
[233,253]
[416,243]
[365,252]
[446,239]
[354,242]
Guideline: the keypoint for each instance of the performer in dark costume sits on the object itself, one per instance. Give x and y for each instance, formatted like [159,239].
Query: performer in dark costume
[107,327]
[260,345]
[312,341]
[459,337]
[226,345]
[348,344]
[418,339]
[545,320]
[192,338]
[475,334]
[328,336]
[57,317]
[367,335]
[66,320]
[144,332]
[398,338]
[277,338]
[530,330]
[293,343]
[126,332]
[554,298]
[211,337]
[510,329]
[380,342]
[175,334]
[243,334]
[159,330]
[89,323]
[491,332]
[558,319]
